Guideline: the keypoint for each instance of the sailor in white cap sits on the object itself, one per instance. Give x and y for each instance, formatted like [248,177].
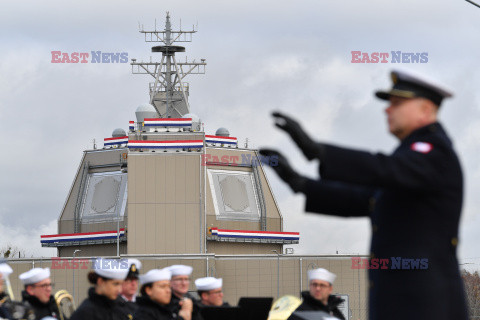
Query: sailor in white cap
[180,282]
[38,292]
[319,296]
[155,297]
[210,292]
[412,196]
[130,285]
[5,271]
[107,277]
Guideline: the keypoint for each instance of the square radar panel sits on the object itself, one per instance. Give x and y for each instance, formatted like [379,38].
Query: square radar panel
[105,197]
[234,195]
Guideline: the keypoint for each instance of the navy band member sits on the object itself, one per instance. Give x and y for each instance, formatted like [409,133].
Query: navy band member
[38,293]
[413,198]
[129,292]
[102,302]
[5,271]
[155,298]
[319,297]
[180,284]
[210,292]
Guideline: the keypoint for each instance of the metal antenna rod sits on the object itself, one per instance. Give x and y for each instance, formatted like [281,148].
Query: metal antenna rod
[476,5]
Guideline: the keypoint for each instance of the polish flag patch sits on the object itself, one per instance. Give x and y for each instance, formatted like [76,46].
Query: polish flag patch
[422,147]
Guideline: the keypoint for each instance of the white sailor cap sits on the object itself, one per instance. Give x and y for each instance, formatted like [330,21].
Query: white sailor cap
[34,276]
[407,84]
[208,283]
[5,269]
[155,275]
[116,269]
[180,270]
[321,274]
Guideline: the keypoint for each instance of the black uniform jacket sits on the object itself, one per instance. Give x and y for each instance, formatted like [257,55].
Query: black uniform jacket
[130,307]
[311,304]
[151,310]
[175,306]
[49,309]
[413,198]
[4,312]
[99,307]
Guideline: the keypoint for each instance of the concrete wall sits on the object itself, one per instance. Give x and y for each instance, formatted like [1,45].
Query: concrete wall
[164,203]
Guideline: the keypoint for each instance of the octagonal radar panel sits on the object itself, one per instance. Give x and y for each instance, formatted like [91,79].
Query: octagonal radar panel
[196,121]
[145,110]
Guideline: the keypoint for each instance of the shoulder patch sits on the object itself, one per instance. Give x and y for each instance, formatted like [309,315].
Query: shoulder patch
[422,147]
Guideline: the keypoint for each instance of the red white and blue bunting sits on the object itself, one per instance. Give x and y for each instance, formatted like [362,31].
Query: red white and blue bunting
[79,237]
[173,144]
[115,141]
[259,235]
[168,122]
[221,140]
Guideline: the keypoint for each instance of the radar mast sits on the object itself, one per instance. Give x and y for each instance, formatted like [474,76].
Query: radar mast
[168,92]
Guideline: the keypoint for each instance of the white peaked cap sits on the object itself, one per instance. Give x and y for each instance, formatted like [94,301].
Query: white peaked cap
[135,262]
[116,269]
[208,283]
[180,270]
[5,269]
[35,275]
[321,274]
[155,275]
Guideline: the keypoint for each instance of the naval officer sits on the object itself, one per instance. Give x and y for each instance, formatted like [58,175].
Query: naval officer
[128,295]
[412,196]
[38,293]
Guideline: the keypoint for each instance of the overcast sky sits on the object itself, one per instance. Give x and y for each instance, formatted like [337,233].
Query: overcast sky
[262,56]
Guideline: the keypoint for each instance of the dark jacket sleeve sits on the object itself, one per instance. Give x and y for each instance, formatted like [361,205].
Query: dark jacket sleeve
[408,169]
[83,314]
[336,198]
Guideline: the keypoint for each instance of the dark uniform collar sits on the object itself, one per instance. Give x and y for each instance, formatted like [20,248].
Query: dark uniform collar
[34,301]
[425,130]
[146,301]
[332,302]
[100,299]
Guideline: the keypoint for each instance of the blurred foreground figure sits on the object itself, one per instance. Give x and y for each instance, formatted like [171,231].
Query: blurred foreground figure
[103,302]
[413,198]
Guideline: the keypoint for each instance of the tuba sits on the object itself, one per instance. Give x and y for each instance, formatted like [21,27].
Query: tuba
[65,304]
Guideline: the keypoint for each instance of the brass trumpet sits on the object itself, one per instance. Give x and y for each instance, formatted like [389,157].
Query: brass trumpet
[65,304]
